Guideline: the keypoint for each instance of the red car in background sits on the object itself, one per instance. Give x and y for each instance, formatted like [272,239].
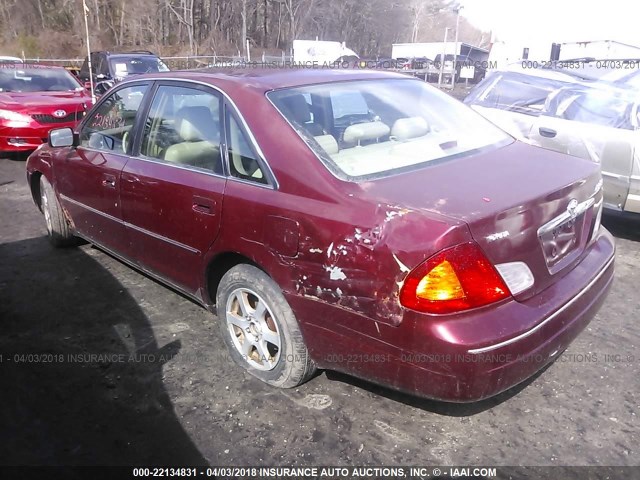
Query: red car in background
[35,99]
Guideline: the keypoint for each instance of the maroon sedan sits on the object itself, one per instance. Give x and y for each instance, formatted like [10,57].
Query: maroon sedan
[359,221]
[33,100]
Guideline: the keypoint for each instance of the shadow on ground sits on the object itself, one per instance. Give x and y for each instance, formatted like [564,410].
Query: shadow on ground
[81,370]
[627,228]
[441,408]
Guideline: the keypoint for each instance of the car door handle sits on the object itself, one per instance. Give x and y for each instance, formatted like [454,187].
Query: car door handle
[203,205]
[547,132]
[109,181]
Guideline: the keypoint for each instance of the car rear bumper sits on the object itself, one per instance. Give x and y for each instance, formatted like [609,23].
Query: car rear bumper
[468,357]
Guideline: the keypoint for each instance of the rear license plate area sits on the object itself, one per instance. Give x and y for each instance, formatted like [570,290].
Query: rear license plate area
[561,243]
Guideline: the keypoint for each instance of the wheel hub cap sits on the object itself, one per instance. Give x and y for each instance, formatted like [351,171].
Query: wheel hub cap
[253,328]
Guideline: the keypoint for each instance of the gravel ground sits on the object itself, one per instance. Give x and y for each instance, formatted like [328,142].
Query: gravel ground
[102,365]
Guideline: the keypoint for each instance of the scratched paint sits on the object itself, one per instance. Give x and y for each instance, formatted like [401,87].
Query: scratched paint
[336,273]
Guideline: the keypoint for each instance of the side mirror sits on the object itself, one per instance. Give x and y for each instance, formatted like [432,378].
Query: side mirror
[101,76]
[62,137]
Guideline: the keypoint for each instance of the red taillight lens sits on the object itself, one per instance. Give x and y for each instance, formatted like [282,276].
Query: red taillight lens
[455,279]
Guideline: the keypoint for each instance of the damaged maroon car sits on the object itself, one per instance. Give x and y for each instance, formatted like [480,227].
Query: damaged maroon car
[355,221]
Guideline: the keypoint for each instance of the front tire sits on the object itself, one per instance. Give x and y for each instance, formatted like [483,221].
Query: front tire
[58,230]
[260,329]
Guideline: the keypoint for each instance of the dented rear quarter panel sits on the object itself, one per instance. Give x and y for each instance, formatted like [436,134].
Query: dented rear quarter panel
[321,237]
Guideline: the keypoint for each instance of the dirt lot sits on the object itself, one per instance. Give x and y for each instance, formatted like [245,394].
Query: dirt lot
[101,365]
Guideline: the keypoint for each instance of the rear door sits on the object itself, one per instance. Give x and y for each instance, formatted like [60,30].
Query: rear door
[88,178]
[172,191]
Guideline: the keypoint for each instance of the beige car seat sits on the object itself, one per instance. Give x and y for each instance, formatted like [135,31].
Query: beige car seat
[408,128]
[199,147]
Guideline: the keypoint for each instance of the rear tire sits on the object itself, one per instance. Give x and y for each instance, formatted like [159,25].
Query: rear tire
[260,329]
[58,230]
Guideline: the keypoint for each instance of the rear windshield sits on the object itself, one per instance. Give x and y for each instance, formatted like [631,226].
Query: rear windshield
[376,127]
[123,66]
[20,79]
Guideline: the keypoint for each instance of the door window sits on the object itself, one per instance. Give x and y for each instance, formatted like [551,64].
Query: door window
[183,128]
[109,127]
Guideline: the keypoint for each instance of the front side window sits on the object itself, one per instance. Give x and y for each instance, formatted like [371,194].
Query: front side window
[183,128]
[348,103]
[381,126]
[109,127]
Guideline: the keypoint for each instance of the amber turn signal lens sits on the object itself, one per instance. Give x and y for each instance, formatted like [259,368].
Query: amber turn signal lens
[456,279]
[441,283]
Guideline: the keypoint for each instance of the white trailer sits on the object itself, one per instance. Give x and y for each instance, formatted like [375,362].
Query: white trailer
[418,50]
[599,49]
[319,51]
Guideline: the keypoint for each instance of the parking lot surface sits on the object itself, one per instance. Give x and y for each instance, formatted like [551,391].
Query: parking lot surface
[102,365]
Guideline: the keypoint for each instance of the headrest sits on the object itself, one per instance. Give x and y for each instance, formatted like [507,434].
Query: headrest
[298,107]
[412,127]
[365,131]
[195,124]
[328,144]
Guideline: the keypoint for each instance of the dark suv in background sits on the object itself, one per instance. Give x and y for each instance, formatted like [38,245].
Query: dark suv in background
[109,68]
[479,67]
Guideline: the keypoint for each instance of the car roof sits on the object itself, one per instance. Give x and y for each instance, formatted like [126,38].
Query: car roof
[36,66]
[266,79]
[132,54]
[544,73]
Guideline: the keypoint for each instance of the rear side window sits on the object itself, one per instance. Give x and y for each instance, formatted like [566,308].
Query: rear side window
[243,162]
[109,127]
[183,128]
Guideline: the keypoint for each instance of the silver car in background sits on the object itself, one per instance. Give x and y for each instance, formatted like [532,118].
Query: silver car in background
[554,110]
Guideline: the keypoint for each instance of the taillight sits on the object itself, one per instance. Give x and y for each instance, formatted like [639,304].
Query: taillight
[455,279]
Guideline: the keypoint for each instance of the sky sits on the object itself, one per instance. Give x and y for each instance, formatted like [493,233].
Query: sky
[547,21]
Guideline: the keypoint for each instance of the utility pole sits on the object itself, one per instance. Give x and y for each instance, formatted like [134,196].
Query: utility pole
[444,54]
[86,27]
[455,53]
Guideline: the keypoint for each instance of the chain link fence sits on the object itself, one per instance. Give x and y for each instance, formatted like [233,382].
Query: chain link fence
[180,62]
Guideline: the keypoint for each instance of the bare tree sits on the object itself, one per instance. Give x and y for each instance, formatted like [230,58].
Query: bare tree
[370,27]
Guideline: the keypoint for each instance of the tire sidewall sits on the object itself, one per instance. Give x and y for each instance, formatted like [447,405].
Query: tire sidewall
[251,278]
[45,200]
[58,232]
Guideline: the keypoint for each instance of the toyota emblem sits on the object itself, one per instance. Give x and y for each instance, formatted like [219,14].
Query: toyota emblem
[572,208]
[60,113]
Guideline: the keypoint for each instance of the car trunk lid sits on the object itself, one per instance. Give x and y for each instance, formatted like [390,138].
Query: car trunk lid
[521,204]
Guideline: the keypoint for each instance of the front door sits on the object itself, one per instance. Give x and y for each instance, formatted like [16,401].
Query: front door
[88,180]
[172,192]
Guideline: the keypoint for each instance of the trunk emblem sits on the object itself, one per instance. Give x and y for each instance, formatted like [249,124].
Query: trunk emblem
[572,208]
[60,113]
